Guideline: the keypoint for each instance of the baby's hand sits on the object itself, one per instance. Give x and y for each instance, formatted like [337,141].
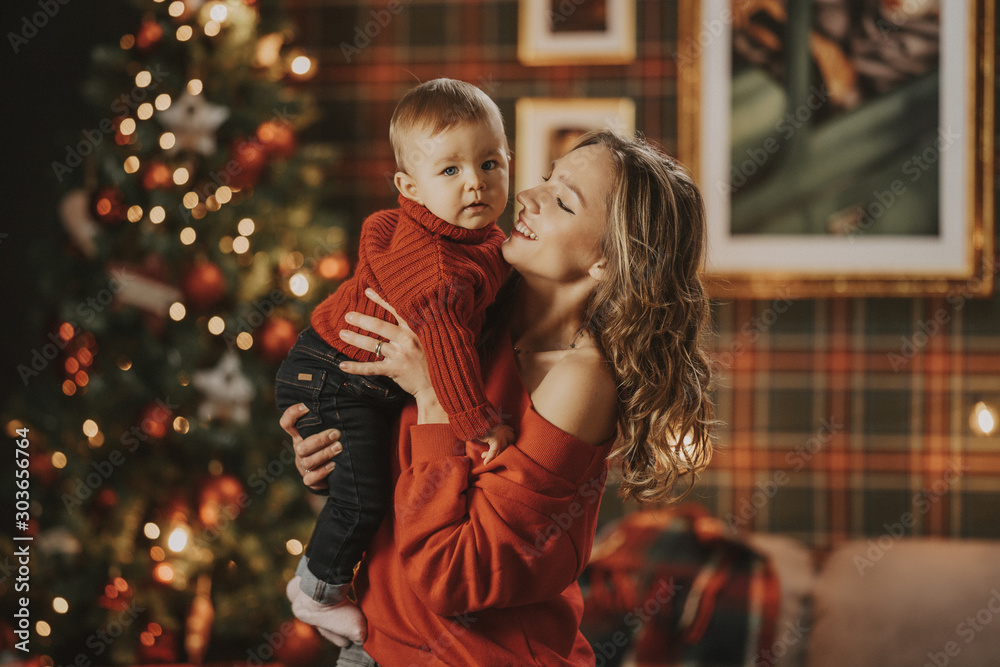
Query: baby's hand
[497,439]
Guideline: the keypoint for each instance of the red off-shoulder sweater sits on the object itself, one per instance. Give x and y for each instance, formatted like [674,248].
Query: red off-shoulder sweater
[440,278]
[477,565]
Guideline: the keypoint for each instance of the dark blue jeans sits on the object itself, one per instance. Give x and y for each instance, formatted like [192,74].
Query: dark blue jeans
[364,410]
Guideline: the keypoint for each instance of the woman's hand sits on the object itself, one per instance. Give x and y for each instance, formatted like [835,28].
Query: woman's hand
[402,355]
[313,455]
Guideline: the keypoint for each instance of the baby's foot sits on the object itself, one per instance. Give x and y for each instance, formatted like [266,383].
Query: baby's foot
[341,623]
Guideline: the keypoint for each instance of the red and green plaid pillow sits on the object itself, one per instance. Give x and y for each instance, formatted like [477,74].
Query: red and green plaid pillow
[669,587]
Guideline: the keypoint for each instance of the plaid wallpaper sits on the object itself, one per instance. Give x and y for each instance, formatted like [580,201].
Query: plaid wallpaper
[472,40]
[843,417]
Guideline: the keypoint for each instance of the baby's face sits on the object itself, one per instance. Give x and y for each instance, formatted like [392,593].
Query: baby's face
[459,174]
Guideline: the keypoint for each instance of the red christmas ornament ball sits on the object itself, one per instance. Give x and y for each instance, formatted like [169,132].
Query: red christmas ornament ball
[204,284]
[160,647]
[302,646]
[157,177]
[250,155]
[220,496]
[32,529]
[277,338]
[149,34]
[41,468]
[117,595]
[109,205]
[277,138]
[156,419]
[107,499]
[248,161]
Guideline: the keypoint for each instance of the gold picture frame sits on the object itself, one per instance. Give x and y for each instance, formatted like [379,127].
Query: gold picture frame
[821,226]
[547,127]
[571,32]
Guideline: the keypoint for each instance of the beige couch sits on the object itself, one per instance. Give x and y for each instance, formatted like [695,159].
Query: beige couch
[886,602]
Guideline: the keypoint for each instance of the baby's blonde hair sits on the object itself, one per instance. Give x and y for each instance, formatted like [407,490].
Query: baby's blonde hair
[435,106]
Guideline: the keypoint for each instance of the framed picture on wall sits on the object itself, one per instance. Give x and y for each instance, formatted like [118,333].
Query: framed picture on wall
[576,32]
[547,128]
[843,148]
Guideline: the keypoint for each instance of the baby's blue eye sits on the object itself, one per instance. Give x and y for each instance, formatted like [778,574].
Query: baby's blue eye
[489,164]
[450,171]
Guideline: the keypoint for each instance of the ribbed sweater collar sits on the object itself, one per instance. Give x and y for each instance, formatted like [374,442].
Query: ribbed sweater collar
[435,225]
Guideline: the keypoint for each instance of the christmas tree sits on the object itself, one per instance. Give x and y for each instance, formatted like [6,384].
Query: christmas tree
[161,509]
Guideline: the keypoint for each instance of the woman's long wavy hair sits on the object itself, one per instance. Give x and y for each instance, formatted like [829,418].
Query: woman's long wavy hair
[649,315]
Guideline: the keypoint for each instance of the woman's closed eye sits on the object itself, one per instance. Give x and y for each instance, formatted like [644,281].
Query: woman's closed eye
[559,200]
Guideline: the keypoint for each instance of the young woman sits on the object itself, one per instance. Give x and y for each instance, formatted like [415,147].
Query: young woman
[594,355]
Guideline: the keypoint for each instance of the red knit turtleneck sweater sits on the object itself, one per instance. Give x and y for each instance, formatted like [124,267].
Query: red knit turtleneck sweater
[440,278]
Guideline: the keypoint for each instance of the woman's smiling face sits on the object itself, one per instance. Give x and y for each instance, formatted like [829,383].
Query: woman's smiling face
[558,233]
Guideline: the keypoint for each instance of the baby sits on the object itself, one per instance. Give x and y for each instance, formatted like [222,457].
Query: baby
[436,259]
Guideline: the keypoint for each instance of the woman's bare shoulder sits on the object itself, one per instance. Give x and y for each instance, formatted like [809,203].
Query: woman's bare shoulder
[579,395]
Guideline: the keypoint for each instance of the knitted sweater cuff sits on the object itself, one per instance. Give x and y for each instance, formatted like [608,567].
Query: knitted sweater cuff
[476,422]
